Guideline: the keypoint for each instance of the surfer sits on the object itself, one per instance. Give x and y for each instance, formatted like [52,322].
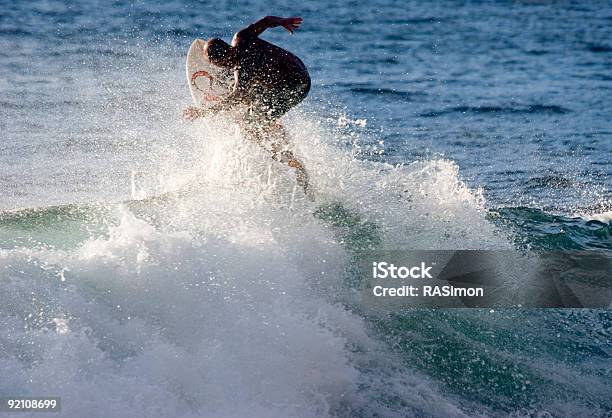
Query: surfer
[268,80]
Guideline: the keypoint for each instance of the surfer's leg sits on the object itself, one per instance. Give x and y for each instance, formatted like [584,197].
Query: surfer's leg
[261,125]
[280,152]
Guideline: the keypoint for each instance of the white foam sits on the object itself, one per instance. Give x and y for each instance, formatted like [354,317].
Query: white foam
[604,217]
[214,304]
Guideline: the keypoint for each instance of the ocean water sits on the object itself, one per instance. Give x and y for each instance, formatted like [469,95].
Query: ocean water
[152,267]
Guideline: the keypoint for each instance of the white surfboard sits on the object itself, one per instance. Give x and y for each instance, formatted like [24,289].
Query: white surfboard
[207,82]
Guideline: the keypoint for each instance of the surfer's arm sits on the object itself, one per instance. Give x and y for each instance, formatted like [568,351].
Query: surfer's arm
[257,28]
[235,97]
[226,103]
[192,113]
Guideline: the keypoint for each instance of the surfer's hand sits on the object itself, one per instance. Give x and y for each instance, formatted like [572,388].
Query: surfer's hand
[191,113]
[291,23]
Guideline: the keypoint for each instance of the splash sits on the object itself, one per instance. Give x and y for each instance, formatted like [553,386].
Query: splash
[212,295]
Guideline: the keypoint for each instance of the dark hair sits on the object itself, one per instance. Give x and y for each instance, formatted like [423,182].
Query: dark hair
[217,51]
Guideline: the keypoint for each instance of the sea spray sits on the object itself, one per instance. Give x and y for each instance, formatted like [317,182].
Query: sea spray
[210,297]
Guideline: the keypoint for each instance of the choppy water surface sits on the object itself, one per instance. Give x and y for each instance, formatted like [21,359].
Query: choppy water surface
[149,266]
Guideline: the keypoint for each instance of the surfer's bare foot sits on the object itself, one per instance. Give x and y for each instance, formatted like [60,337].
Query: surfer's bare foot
[301,177]
[300,172]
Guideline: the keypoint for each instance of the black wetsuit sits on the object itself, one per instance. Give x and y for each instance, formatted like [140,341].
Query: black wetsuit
[271,80]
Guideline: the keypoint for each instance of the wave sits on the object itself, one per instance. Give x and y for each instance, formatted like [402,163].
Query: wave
[599,48]
[15,31]
[551,182]
[529,109]
[228,293]
[386,92]
[225,294]
[540,231]
[603,217]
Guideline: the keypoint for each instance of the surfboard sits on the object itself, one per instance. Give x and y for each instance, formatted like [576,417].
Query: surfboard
[207,82]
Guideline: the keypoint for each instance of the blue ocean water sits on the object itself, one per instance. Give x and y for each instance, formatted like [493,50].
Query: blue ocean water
[150,266]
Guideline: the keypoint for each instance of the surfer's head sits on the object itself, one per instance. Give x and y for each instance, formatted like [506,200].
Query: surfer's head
[219,52]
